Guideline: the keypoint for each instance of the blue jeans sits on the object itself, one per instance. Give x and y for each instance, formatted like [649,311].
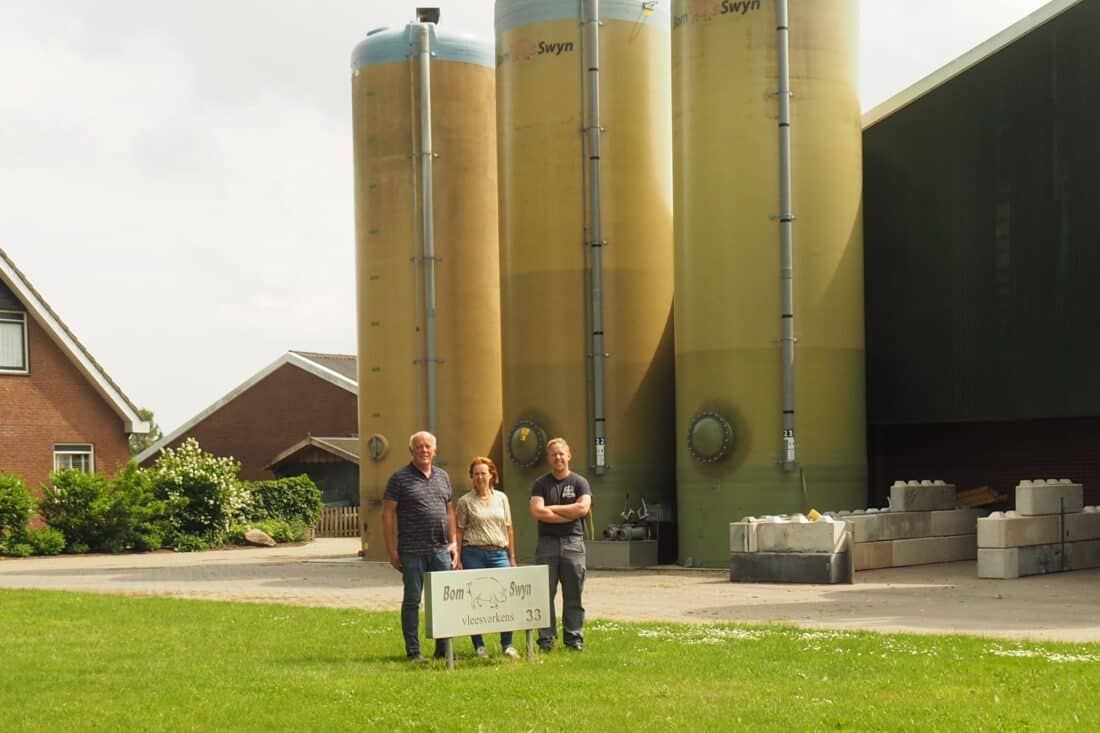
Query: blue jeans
[565,558]
[413,568]
[475,558]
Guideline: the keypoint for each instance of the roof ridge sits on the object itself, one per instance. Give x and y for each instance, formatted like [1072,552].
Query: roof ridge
[68,332]
[299,352]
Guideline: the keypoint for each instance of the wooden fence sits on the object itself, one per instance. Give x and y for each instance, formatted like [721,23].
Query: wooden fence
[338,521]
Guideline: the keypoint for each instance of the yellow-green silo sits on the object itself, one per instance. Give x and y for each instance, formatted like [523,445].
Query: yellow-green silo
[427,261]
[769,349]
[584,146]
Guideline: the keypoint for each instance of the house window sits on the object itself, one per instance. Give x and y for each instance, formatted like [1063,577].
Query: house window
[13,341]
[80,456]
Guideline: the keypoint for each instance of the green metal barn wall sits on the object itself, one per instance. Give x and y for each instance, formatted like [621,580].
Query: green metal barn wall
[982,258]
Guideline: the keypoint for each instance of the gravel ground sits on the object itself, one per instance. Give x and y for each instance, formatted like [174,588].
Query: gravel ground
[930,599]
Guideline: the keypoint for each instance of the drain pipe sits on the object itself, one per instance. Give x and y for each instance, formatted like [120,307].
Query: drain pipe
[595,233]
[427,211]
[786,219]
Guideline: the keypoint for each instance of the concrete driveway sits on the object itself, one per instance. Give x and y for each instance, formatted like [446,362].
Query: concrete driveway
[928,599]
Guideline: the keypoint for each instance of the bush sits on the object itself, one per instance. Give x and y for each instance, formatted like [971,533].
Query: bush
[282,531]
[235,534]
[146,540]
[190,543]
[276,529]
[106,516]
[137,517]
[44,540]
[76,504]
[201,492]
[16,506]
[20,549]
[293,499]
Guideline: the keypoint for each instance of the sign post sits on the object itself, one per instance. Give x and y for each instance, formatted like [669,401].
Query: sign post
[465,602]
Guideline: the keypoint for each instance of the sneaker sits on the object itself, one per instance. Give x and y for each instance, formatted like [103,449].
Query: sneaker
[510,652]
[482,652]
[577,646]
[416,658]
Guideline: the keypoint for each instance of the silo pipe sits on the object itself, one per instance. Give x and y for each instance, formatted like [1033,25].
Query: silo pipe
[595,233]
[428,225]
[786,238]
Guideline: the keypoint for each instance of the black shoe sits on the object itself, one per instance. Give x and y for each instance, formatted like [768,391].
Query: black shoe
[577,646]
[546,646]
[439,655]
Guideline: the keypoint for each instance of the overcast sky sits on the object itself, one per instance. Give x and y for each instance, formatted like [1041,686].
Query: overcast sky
[175,177]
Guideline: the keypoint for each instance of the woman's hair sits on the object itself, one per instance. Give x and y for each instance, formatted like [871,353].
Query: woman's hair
[494,477]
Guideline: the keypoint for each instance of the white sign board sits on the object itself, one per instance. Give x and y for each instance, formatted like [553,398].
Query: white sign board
[464,602]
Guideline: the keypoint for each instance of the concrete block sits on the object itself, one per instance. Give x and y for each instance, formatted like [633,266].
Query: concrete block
[921,497]
[799,537]
[1082,555]
[1049,497]
[904,525]
[888,525]
[620,554]
[743,536]
[865,527]
[927,550]
[997,531]
[1082,527]
[873,555]
[791,567]
[947,522]
[1017,562]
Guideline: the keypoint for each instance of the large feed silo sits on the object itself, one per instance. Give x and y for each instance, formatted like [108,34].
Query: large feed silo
[584,133]
[427,261]
[769,264]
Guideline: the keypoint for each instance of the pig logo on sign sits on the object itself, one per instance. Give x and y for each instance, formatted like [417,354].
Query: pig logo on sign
[486,592]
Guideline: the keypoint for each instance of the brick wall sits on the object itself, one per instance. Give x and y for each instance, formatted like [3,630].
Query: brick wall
[272,415]
[54,403]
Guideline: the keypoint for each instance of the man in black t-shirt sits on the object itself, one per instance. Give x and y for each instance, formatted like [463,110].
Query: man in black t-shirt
[419,496]
[559,501]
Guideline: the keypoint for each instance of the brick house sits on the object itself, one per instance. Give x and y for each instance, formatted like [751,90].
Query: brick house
[298,395]
[58,407]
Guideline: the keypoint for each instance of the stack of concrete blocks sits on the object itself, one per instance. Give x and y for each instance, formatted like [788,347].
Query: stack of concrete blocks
[1050,531]
[921,526]
[790,549]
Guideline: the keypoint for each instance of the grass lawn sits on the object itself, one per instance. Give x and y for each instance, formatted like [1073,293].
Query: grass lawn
[77,662]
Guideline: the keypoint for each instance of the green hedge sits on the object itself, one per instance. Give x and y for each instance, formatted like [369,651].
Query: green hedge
[95,513]
[293,499]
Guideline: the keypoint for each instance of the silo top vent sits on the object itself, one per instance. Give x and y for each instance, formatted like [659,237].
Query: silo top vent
[427,15]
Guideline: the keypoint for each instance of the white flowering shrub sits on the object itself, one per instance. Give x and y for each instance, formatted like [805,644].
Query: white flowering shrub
[201,490]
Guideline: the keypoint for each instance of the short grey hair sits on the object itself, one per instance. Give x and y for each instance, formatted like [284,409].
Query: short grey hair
[420,432]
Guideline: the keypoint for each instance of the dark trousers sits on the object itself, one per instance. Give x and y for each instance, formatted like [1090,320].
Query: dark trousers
[565,558]
[413,568]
